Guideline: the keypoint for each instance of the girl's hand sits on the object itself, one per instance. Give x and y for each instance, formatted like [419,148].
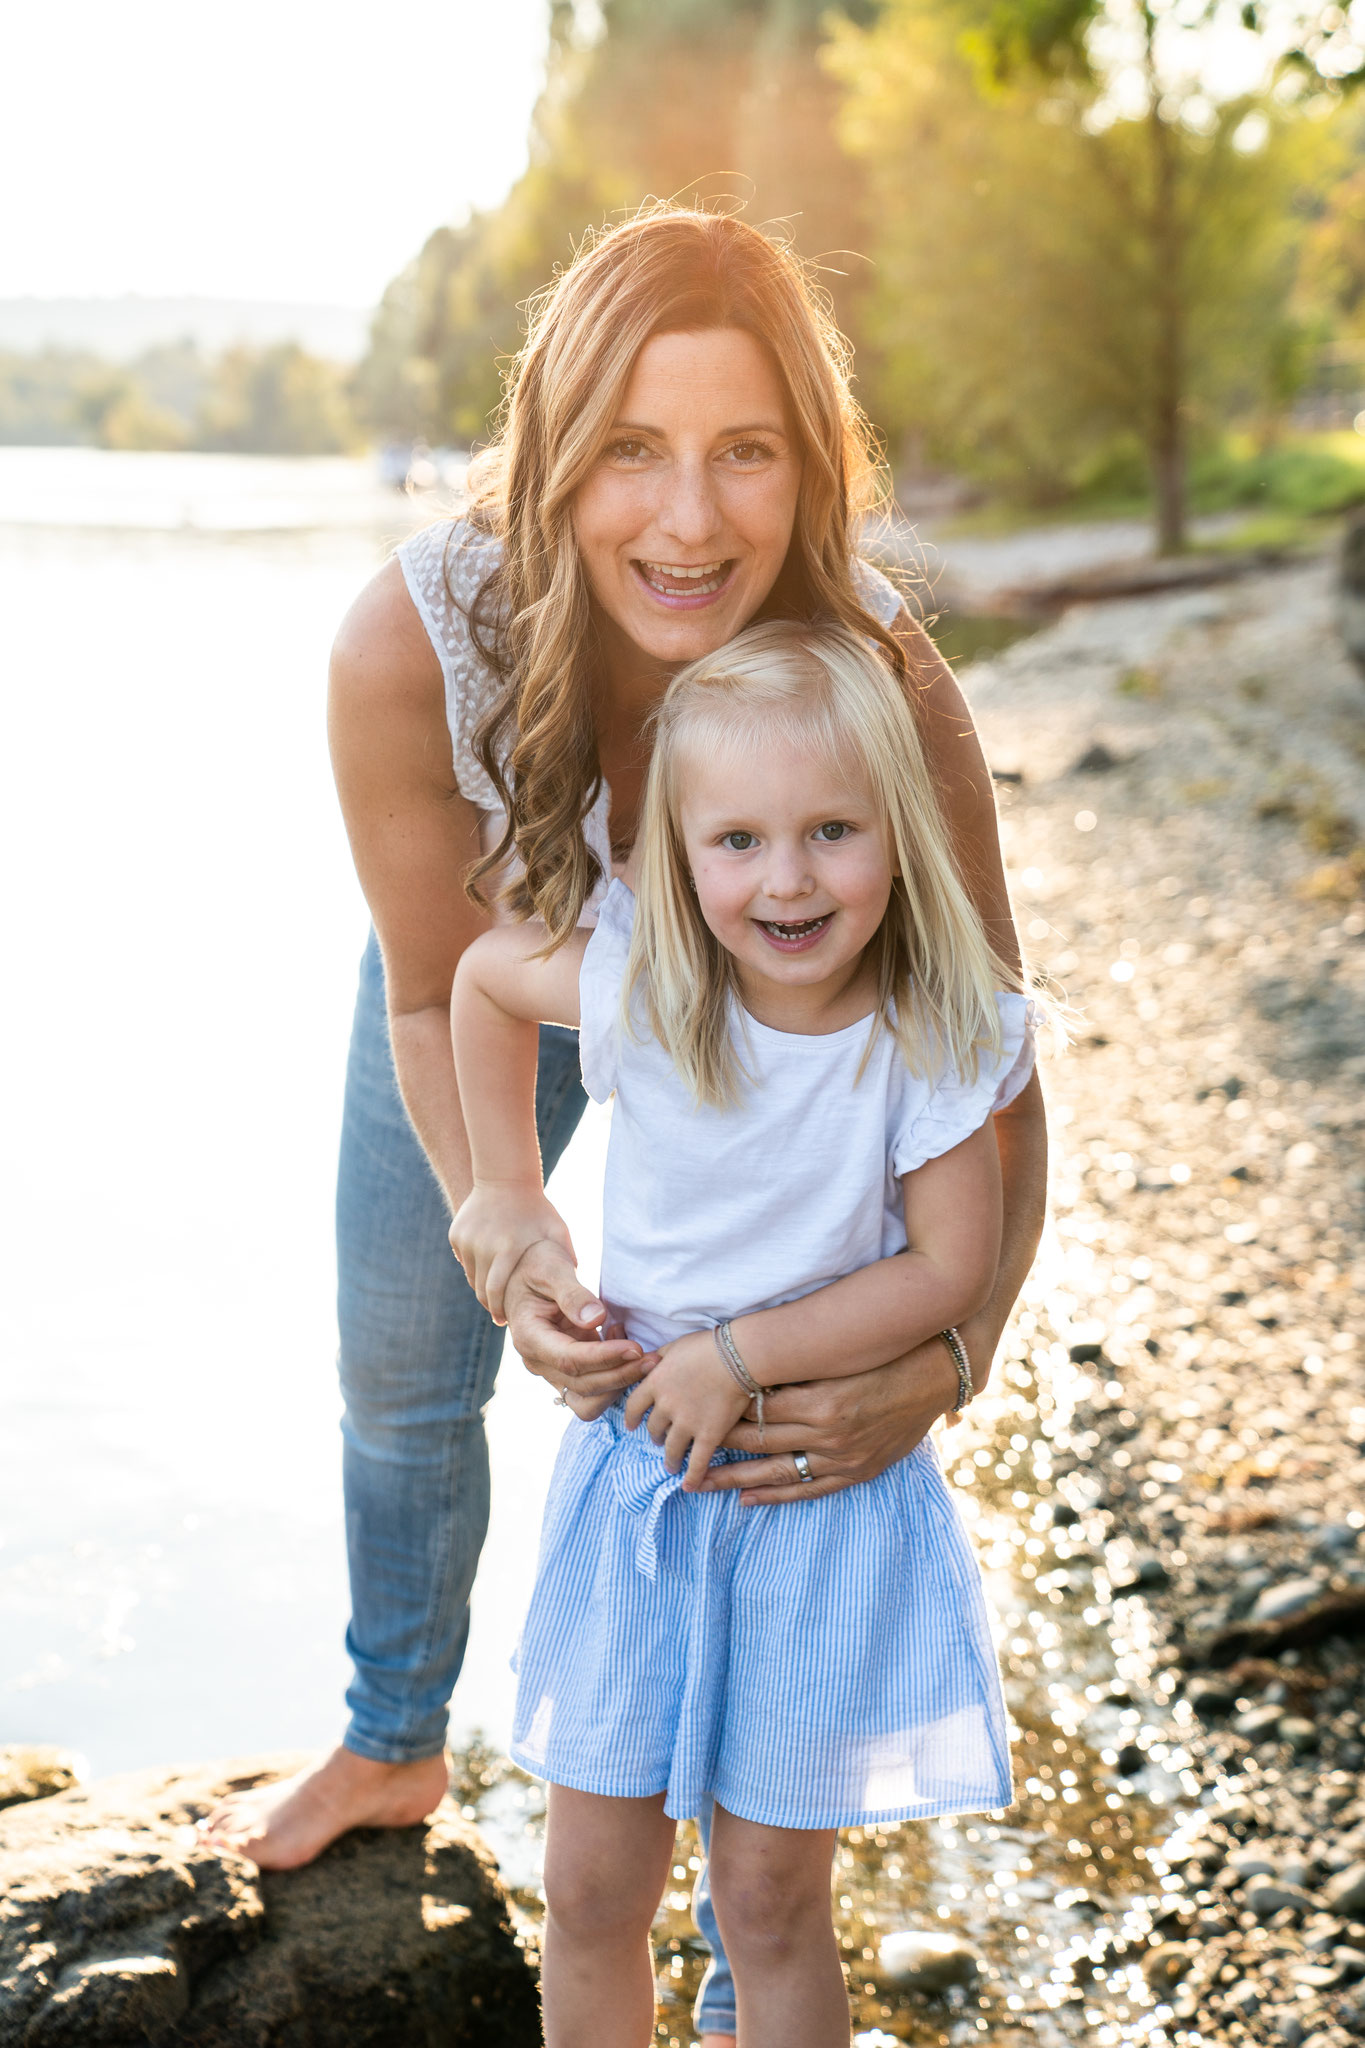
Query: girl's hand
[691,1401]
[493,1228]
[587,1407]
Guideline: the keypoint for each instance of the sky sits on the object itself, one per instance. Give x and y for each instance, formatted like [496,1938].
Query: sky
[273,149]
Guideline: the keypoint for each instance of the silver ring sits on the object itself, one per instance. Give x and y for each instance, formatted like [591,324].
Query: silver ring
[802,1464]
[562,1398]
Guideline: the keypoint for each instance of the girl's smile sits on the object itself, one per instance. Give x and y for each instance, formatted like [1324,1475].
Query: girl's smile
[798,937]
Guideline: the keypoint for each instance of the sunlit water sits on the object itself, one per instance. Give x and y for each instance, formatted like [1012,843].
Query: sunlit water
[183,929]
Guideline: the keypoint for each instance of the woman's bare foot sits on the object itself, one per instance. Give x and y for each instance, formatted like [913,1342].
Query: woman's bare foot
[282,1825]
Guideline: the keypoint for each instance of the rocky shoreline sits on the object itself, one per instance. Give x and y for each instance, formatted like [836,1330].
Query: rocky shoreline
[1185,840]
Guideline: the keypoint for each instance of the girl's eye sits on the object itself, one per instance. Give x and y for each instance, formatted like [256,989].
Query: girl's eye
[738,842]
[832,831]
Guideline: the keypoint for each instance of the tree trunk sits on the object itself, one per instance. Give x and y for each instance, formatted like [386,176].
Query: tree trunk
[1166,444]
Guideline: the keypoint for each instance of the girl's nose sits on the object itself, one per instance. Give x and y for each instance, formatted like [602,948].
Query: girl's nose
[787,875]
[689,513]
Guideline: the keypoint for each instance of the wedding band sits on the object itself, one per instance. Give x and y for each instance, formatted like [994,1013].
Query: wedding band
[802,1464]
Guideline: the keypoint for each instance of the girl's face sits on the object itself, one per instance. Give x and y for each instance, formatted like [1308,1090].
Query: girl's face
[790,861]
[684,523]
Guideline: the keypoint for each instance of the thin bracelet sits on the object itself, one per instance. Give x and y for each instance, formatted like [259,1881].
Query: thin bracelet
[740,1373]
[966,1385]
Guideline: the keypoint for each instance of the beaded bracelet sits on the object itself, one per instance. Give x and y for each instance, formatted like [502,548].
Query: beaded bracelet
[740,1373]
[966,1386]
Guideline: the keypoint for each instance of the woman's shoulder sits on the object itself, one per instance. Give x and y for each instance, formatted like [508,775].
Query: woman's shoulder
[381,653]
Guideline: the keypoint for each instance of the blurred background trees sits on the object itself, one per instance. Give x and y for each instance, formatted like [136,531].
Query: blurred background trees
[1090,252]
[1093,237]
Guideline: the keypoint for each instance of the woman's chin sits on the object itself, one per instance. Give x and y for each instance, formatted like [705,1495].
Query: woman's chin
[681,636]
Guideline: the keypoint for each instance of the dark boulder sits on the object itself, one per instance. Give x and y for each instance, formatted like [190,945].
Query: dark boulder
[118,1929]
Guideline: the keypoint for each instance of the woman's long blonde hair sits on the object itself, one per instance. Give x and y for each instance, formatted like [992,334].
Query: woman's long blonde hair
[667,270]
[827,691]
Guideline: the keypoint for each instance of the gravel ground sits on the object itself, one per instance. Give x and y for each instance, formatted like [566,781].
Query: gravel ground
[1191,1399]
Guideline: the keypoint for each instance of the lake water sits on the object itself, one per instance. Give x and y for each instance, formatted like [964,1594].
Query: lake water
[183,928]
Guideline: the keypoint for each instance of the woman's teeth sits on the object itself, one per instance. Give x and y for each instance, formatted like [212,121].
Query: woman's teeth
[670,580]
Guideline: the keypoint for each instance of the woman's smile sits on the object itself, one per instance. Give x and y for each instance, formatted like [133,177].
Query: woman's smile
[684,589]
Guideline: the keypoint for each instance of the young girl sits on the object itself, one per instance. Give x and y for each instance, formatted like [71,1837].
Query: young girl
[797,1012]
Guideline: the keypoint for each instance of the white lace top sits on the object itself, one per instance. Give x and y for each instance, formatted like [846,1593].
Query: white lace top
[443,567]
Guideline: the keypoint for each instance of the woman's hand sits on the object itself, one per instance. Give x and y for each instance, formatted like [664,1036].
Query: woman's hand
[850,1429]
[692,1403]
[496,1224]
[560,1330]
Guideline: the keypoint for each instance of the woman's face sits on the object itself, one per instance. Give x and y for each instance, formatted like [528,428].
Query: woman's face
[685,521]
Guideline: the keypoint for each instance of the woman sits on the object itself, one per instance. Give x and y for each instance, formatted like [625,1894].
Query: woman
[681,455]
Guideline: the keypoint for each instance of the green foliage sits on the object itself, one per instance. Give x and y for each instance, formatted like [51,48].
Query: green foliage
[673,98]
[1059,289]
[1305,478]
[277,401]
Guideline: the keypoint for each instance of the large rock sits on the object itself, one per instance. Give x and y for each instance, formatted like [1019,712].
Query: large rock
[118,1929]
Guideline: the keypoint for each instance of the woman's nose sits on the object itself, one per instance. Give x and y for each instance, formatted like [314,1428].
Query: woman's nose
[690,514]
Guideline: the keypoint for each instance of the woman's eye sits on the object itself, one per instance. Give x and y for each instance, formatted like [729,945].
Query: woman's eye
[626,450]
[738,842]
[832,831]
[749,453]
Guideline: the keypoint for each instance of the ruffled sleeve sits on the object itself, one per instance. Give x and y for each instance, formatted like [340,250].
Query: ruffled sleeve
[877,591]
[954,1107]
[600,980]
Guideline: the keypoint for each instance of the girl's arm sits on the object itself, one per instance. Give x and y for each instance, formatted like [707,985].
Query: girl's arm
[503,992]
[952,1216]
[952,1223]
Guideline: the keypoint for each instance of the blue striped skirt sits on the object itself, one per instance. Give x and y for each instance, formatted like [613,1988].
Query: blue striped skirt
[814,1664]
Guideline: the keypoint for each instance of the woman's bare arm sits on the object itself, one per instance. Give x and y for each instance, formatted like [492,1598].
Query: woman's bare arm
[413,836]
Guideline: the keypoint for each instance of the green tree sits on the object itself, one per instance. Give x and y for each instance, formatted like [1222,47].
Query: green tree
[1081,239]
[666,97]
[276,401]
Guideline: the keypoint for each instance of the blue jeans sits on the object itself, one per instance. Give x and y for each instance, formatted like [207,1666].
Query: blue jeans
[418,1361]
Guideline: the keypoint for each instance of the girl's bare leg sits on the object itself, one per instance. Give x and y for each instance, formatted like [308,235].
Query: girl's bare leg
[606,1864]
[770,1888]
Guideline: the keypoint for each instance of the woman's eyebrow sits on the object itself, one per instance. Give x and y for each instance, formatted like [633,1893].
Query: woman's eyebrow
[722,433]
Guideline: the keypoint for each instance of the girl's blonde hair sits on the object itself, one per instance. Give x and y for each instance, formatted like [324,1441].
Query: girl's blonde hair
[825,690]
[668,270]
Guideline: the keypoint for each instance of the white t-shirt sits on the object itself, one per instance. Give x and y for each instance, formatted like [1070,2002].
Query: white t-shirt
[444,567]
[713,1213]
